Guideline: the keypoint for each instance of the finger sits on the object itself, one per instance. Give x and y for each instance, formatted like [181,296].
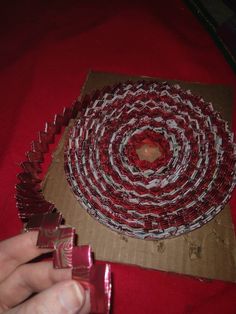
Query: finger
[18,250]
[67,297]
[30,278]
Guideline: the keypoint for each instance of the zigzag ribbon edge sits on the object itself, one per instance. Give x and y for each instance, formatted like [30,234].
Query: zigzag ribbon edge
[38,214]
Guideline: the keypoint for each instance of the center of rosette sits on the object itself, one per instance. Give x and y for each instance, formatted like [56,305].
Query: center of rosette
[149,150]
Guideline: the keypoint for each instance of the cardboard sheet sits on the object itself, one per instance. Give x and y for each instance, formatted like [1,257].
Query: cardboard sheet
[209,252]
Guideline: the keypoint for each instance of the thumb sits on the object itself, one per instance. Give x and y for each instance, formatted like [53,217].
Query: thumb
[67,297]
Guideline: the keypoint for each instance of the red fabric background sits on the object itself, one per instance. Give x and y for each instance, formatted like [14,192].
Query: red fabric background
[47,48]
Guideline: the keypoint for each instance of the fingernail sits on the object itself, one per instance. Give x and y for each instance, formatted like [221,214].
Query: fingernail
[72,297]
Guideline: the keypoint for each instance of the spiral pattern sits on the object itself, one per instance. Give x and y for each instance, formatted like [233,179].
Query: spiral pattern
[189,178]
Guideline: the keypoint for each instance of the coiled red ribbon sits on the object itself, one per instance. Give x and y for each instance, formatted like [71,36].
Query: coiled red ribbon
[39,214]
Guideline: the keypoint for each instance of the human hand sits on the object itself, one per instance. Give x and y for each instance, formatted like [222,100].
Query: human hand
[56,292]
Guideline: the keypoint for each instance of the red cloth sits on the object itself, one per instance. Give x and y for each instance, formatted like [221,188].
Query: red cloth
[47,48]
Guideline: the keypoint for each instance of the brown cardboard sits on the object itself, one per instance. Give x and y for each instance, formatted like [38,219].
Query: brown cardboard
[209,252]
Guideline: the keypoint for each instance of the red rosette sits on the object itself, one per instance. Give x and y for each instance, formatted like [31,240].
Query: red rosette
[182,188]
